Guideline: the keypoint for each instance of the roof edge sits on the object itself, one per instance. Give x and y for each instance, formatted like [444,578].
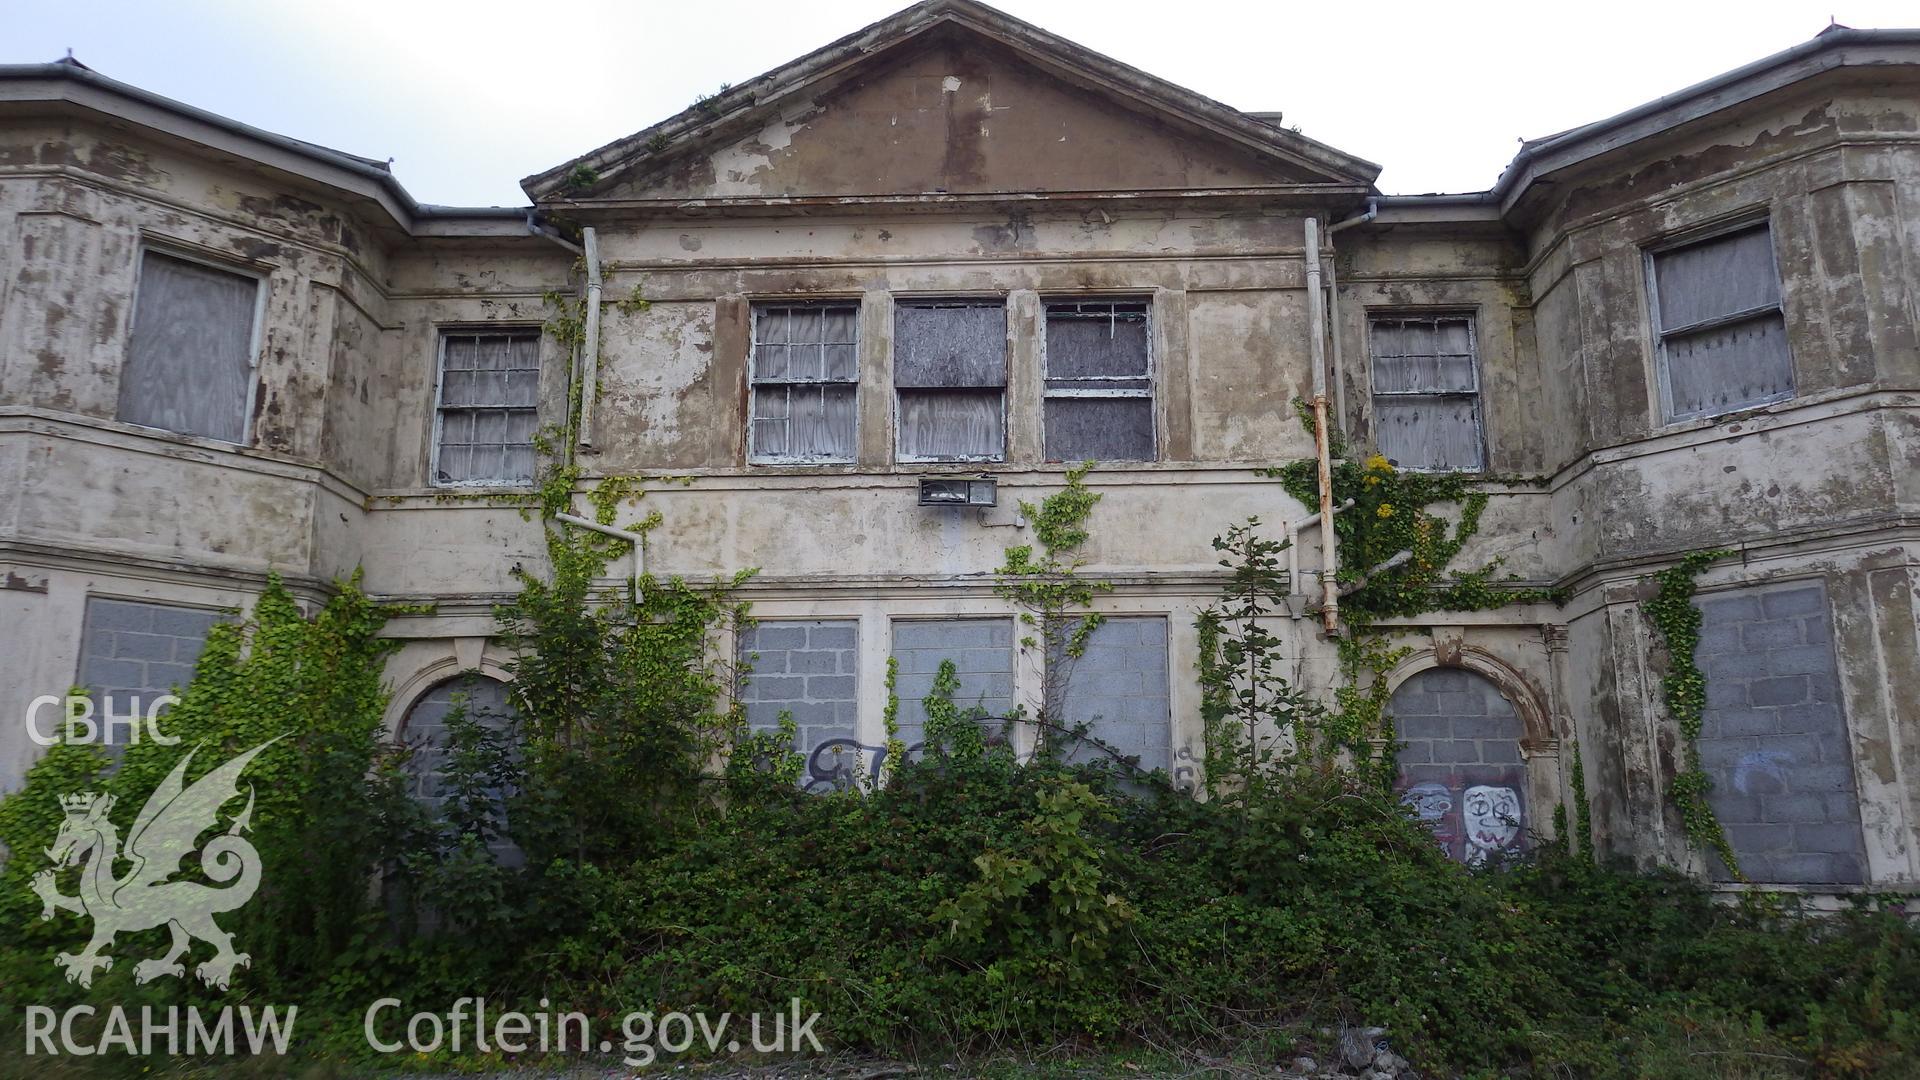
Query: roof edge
[1522,169]
[406,211]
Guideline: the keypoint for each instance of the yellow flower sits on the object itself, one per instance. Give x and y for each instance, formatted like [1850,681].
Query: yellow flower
[1379,463]
[1385,511]
[1373,481]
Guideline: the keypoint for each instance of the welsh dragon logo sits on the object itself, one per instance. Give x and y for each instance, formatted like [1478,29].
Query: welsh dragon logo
[166,831]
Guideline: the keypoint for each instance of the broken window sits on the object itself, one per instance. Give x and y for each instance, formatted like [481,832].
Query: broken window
[806,371]
[950,372]
[190,363]
[489,406]
[1426,391]
[1099,402]
[1723,341]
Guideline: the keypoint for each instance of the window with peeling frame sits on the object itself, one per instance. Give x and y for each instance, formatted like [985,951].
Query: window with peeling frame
[190,361]
[950,378]
[805,374]
[489,407]
[1426,391]
[1722,337]
[1099,375]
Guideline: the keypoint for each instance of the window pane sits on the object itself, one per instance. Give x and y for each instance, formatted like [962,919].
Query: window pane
[822,423]
[1433,355]
[771,363]
[1717,277]
[842,363]
[839,325]
[803,422]
[1096,340]
[950,345]
[1100,429]
[795,343]
[770,325]
[1728,367]
[190,364]
[1428,432]
[950,425]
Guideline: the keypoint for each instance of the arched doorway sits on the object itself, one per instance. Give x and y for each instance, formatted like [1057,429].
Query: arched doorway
[1460,765]
[424,730]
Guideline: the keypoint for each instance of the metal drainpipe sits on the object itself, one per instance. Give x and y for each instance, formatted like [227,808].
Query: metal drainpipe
[1317,350]
[590,342]
[537,229]
[1333,307]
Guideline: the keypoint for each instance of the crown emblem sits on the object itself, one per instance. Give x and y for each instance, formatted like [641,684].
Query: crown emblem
[78,804]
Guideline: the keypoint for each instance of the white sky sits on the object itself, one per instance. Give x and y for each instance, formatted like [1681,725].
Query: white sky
[470,96]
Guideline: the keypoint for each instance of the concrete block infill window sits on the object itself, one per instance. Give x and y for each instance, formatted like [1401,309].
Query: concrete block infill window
[982,653]
[133,652]
[808,670]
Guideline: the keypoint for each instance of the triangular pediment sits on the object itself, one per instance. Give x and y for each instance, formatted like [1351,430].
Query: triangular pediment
[949,97]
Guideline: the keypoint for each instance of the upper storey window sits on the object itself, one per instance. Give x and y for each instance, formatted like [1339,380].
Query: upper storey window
[190,363]
[1722,340]
[805,375]
[488,407]
[1099,382]
[1426,391]
[950,373]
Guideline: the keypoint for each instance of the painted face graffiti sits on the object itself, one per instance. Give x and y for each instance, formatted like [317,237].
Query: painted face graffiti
[1433,804]
[1492,821]
[1430,801]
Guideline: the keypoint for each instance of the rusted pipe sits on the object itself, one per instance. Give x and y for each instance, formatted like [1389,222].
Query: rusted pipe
[1322,445]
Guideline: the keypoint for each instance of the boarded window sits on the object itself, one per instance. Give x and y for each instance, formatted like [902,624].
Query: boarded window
[1426,391]
[806,369]
[190,364]
[1723,341]
[489,407]
[1099,376]
[950,372]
